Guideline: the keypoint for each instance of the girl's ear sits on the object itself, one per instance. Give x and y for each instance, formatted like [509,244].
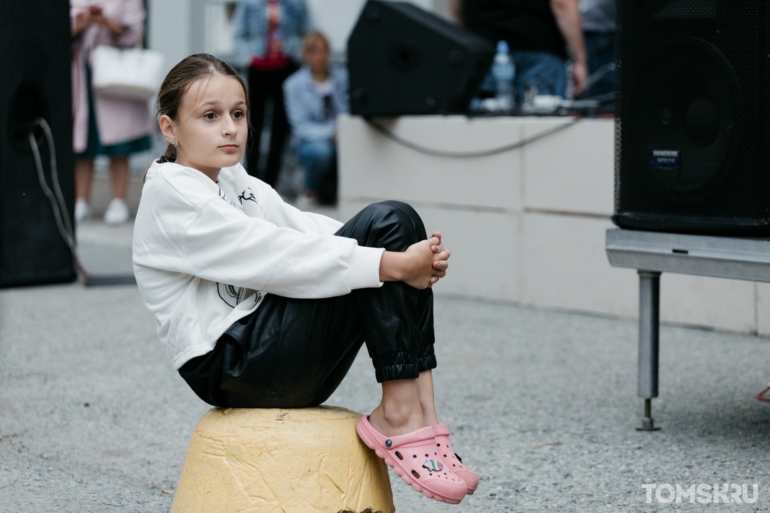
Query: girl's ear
[167,128]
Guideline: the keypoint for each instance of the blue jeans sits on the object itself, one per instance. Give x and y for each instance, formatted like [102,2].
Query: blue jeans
[600,47]
[319,158]
[533,68]
[538,69]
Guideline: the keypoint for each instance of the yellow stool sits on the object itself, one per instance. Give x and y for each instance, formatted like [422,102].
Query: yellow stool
[272,460]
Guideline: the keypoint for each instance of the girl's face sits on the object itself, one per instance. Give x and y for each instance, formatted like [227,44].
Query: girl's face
[317,56]
[211,127]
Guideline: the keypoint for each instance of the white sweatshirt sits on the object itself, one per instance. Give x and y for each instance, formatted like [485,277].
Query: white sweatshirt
[206,253]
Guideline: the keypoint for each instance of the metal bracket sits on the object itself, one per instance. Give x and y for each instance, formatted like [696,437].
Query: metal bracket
[647,423]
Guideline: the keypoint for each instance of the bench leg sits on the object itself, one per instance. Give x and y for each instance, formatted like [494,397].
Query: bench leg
[649,324]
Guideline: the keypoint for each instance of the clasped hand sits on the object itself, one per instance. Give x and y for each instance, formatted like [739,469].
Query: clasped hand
[420,266]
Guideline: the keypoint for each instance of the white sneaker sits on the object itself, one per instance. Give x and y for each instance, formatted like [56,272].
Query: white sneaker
[304,202]
[117,212]
[82,210]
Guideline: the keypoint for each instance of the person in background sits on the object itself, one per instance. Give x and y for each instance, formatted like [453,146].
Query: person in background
[315,95]
[536,32]
[599,33]
[268,40]
[105,125]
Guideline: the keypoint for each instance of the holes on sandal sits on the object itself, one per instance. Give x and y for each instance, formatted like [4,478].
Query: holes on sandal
[415,474]
[398,455]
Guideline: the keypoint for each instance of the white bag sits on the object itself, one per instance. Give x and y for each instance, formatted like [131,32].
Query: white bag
[132,73]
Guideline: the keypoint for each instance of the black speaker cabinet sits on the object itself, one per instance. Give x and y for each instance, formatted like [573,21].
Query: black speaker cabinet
[34,82]
[692,116]
[403,60]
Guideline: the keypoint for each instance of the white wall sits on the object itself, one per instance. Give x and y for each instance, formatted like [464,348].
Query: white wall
[168,29]
[336,19]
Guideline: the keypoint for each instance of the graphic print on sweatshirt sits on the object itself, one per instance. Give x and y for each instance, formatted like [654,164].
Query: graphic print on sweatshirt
[234,296]
[247,195]
[230,294]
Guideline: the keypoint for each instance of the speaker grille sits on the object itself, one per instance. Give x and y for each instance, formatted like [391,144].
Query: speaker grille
[691,133]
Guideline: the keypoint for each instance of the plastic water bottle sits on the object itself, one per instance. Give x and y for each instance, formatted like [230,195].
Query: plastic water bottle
[503,73]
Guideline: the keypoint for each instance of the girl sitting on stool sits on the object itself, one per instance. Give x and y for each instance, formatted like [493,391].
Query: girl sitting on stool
[260,305]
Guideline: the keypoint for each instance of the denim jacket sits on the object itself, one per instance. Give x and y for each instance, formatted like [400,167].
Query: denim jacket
[305,108]
[250,24]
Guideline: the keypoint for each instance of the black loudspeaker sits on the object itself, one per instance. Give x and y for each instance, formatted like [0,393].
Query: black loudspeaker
[35,59]
[403,60]
[692,150]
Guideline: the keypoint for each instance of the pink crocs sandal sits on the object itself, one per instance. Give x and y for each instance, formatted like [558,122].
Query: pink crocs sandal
[414,458]
[451,459]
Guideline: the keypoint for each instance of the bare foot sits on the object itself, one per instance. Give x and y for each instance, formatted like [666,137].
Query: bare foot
[396,421]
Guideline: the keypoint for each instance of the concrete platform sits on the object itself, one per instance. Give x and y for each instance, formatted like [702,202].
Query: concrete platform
[541,403]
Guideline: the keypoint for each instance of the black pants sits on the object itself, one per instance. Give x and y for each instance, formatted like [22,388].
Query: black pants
[267,86]
[294,353]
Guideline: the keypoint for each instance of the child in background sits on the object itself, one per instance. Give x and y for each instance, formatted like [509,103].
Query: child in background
[261,305]
[315,95]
